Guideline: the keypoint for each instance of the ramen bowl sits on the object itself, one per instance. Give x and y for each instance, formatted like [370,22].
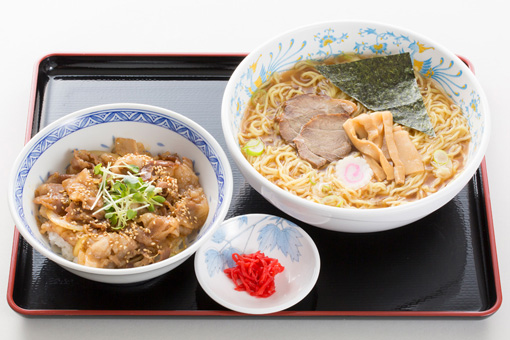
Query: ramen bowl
[96,128]
[323,40]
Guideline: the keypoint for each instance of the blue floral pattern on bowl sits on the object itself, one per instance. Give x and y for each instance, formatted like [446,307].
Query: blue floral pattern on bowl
[244,233]
[322,41]
[108,116]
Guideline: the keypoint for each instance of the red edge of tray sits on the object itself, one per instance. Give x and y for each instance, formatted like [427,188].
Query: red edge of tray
[55,312]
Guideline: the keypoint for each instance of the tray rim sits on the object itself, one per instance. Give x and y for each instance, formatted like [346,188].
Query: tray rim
[78,312]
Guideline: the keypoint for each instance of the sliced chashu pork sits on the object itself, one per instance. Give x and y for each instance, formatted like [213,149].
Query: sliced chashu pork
[323,139]
[300,109]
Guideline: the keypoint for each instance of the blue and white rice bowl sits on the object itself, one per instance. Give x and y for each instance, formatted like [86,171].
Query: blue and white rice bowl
[96,128]
[321,41]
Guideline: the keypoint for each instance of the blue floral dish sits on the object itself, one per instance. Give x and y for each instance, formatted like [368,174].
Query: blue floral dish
[274,236]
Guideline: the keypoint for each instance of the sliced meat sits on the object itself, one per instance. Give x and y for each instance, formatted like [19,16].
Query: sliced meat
[120,165]
[57,177]
[52,196]
[180,170]
[106,157]
[158,228]
[191,210]
[306,154]
[108,250]
[190,213]
[158,168]
[168,156]
[323,139]
[82,159]
[186,176]
[83,188]
[300,109]
[123,146]
[76,213]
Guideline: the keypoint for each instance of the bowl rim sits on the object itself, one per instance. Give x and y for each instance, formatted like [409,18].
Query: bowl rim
[354,214]
[69,118]
[301,294]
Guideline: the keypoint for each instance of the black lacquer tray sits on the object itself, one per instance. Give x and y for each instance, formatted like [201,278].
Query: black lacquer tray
[442,265]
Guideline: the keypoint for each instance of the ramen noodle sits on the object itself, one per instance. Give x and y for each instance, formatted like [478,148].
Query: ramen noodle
[281,163]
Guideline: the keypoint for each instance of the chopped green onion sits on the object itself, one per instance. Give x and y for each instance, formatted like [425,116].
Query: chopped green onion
[325,188]
[333,200]
[440,157]
[254,147]
[311,180]
[259,96]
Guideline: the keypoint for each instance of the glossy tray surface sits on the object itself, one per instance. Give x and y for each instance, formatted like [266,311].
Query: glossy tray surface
[442,265]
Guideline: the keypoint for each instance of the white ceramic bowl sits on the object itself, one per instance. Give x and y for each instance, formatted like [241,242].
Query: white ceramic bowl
[94,129]
[275,237]
[330,38]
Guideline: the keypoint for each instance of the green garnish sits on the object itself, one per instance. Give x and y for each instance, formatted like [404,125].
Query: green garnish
[440,157]
[311,180]
[333,200]
[259,96]
[97,169]
[325,188]
[124,195]
[254,147]
[133,168]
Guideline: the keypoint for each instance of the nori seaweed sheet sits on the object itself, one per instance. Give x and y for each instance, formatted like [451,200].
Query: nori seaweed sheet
[383,83]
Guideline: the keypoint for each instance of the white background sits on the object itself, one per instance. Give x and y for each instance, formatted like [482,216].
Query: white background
[476,29]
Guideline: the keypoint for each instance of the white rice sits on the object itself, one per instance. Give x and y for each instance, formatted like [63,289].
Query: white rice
[60,246]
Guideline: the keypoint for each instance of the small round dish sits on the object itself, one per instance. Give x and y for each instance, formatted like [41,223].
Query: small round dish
[274,236]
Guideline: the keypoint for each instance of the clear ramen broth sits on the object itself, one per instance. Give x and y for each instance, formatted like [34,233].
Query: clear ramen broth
[281,164]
